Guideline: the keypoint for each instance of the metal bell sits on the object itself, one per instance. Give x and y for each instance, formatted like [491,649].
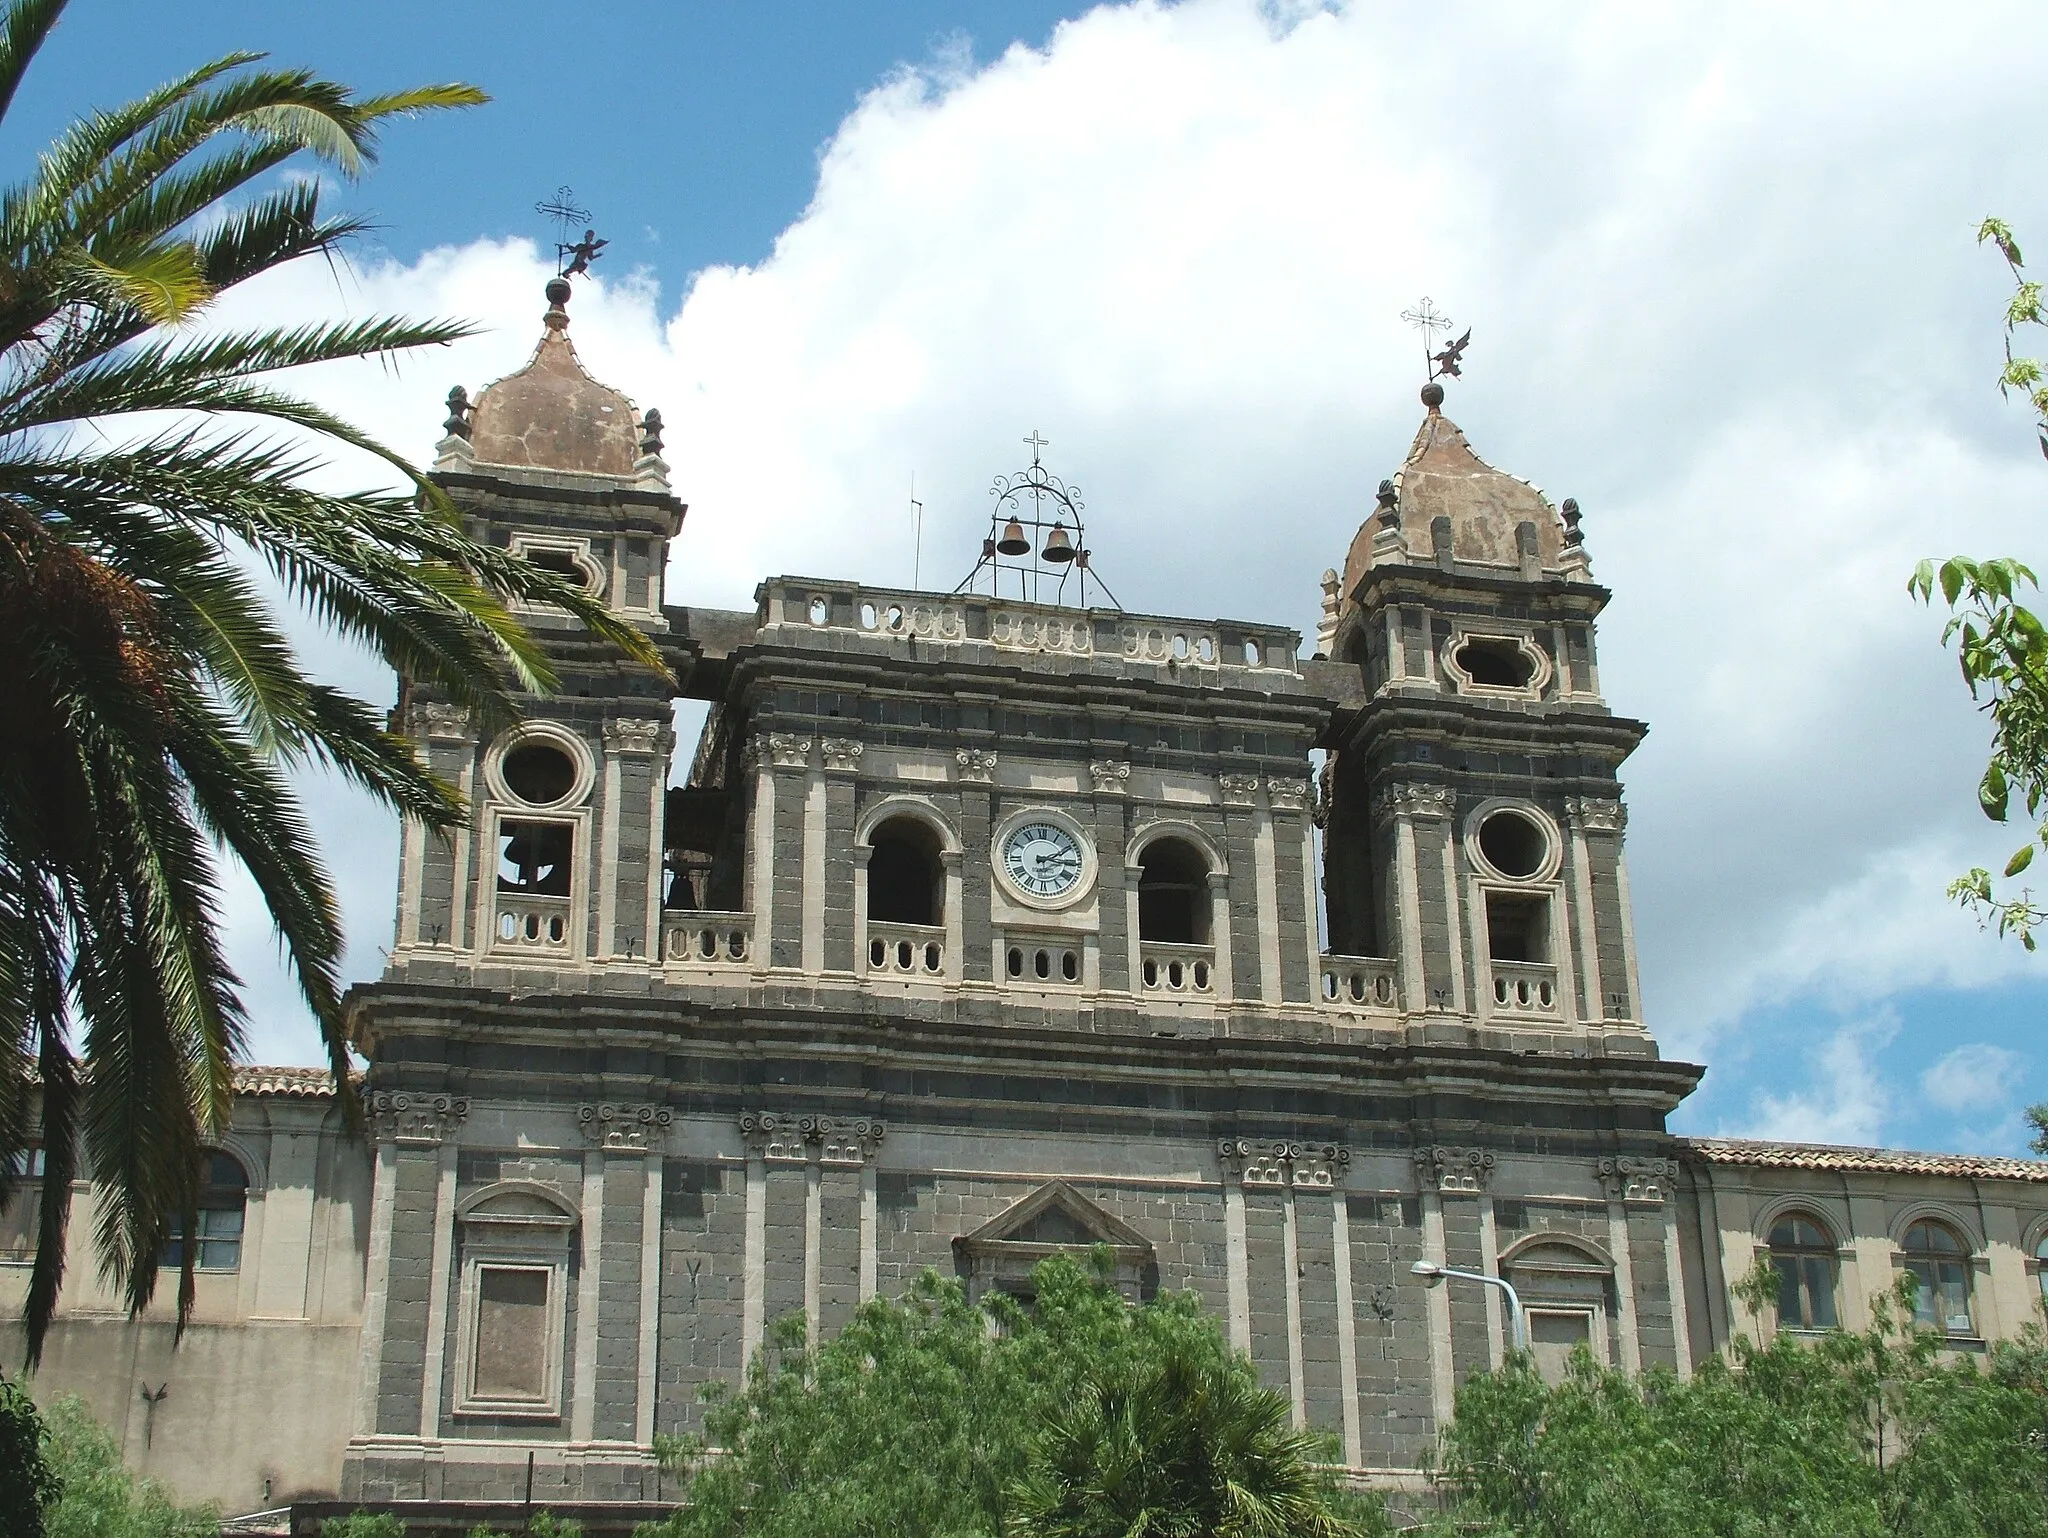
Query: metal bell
[1013,541]
[1058,548]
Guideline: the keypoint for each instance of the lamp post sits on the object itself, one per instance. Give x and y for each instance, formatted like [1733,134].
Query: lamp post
[1432,1273]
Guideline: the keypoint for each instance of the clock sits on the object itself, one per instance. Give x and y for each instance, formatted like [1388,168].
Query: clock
[1043,860]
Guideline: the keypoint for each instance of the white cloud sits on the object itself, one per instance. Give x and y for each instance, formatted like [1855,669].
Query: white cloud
[1974,1077]
[1847,1099]
[1719,266]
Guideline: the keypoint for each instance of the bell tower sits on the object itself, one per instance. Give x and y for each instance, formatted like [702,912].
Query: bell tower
[559,865]
[1473,815]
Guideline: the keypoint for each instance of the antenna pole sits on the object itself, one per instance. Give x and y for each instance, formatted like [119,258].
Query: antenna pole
[917,539]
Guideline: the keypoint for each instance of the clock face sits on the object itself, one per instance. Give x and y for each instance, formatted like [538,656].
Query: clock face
[1042,859]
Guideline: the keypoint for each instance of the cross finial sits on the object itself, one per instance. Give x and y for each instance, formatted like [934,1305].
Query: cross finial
[1037,443]
[571,256]
[1427,319]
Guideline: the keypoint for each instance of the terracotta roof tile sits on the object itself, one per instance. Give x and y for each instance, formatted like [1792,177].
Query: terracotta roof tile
[307,1083]
[1884,1161]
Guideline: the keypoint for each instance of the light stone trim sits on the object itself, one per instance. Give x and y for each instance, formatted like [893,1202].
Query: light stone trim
[841,754]
[1443,1379]
[377,1288]
[1110,776]
[630,734]
[787,750]
[1237,1265]
[1347,1330]
[1266,881]
[1283,1164]
[977,765]
[1289,795]
[1238,789]
[1624,1287]
[1290,1240]
[625,1129]
[814,1244]
[583,1403]
[436,722]
[1674,1281]
[1461,1171]
[1489,1263]
[777,1137]
[650,1304]
[413,1120]
[1632,1178]
[813,901]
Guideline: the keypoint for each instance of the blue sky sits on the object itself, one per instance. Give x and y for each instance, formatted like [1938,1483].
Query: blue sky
[1718,260]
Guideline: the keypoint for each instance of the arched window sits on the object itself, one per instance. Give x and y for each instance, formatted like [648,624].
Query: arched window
[1936,1259]
[223,1197]
[1173,893]
[2041,1268]
[906,880]
[1804,1257]
[20,1215]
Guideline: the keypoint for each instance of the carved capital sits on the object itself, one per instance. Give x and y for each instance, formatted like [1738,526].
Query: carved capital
[632,1129]
[1464,1171]
[633,736]
[781,1138]
[842,754]
[784,750]
[1238,789]
[1416,798]
[441,723]
[1260,1162]
[413,1120]
[1629,1178]
[1596,814]
[978,764]
[1112,776]
[1289,795]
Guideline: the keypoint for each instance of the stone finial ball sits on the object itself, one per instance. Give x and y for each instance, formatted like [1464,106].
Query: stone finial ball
[1432,395]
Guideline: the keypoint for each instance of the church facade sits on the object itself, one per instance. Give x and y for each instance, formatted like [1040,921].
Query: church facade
[982,928]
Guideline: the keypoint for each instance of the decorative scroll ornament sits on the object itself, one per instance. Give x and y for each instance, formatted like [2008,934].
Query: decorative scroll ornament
[1596,814]
[633,736]
[842,754]
[1414,798]
[415,1120]
[778,1137]
[1255,1162]
[788,750]
[1111,776]
[1630,1178]
[624,1128]
[1289,795]
[441,723]
[977,764]
[1238,789]
[1462,1170]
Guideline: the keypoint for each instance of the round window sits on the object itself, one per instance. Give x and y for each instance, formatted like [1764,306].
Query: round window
[539,773]
[1512,844]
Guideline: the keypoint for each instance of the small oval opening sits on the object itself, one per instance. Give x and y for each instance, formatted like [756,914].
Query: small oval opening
[539,773]
[1070,966]
[1015,962]
[867,616]
[820,611]
[1251,654]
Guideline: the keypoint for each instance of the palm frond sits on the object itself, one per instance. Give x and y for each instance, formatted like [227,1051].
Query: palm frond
[23,30]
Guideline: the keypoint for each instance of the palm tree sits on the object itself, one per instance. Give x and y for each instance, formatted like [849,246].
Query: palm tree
[151,705]
[1191,1447]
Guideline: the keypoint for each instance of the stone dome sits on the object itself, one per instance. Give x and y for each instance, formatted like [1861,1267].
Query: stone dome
[552,415]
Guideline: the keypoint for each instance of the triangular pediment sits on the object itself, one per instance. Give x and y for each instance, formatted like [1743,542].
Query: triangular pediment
[1055,1217]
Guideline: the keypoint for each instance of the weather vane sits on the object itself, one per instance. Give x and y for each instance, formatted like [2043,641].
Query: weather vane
[572,257]
[1429,320]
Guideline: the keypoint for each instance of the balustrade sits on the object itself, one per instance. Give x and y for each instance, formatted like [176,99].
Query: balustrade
[525,923]
[907,950]
[1176,969]
[707,939]
[1359,982]
[1524,988]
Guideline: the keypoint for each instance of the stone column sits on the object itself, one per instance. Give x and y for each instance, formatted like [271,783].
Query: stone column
[1431,971]
[975,781]
[405,1331]
[1447,1176]
[842,765]
[434,869]
[1110,778]
[780,808]
[1248,844]
[622,1264]
[1638,1190]
[1295,849]
[629,840]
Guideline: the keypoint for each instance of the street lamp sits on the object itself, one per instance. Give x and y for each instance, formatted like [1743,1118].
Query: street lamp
[1432,1273]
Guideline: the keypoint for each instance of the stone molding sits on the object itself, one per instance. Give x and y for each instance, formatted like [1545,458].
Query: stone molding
[441,723]
[1111,776]
[1238,789]
[977,764]
[1416,798]
[1258,1162]
[631,1129]
[413,1120]
[786,750]
[1597,814]
[1630,1178]
[842,754]
[1461,1171]
[777,1137]
[1289,795]
[629,735]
